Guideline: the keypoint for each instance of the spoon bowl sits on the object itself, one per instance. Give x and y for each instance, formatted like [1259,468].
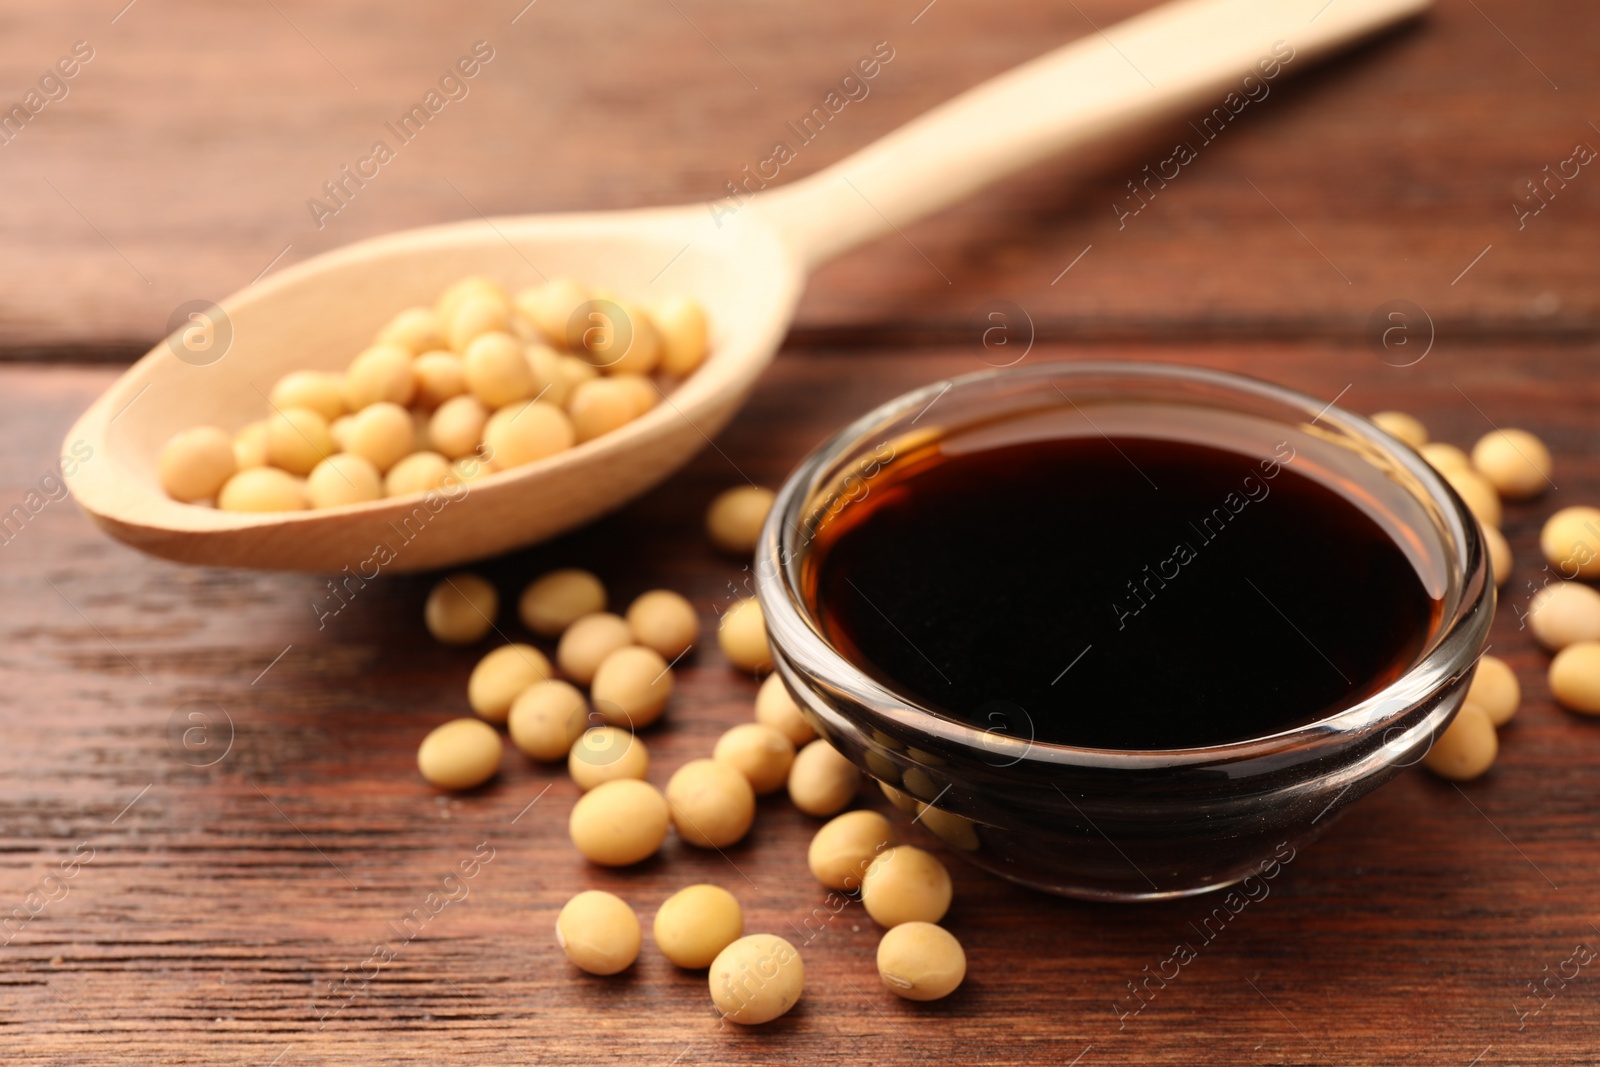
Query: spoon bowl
[319,313]
[746,264]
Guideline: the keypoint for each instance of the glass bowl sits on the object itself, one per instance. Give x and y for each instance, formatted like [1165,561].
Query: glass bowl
[1123,824]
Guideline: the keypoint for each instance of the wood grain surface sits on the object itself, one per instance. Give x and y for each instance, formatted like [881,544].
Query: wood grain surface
[229,913]
[180,163]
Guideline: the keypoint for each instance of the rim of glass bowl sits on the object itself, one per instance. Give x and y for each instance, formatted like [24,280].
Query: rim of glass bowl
[1452,651]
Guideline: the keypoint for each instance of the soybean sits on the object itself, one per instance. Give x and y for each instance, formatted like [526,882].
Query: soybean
[1499,554]
[440,377]
[556,600]
[777,709]
[250,445]
[696,923]
[1445,457]
[760,753]
[742,636]
[318,390]
[496,371]
[821,781]
[546,719]
[631,687]
[381,433]
[525,432]
[588,641]
[1494,688]
[1575,677]
[380,373]
[600,406]
[599,932]
[1564,613]
[1406,427]
[681,322]
[921,961]
[1570,542]
[343,478]
[1514,461]
[461,754]
[619,823]
[1466,749]
[845,847]
[606,753]
[1480,496]
[419,472]
[664,621]
[262,489]
[712,804]
[478,314]
[196,463]
[735,518]
[415,328]
[461,608]
[501,676]
[298,439]
[905,884]
[756,979]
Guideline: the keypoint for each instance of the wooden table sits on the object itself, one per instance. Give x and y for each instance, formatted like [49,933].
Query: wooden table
[228,913]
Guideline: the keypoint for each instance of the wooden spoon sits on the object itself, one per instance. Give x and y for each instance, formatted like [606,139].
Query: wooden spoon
[746,263]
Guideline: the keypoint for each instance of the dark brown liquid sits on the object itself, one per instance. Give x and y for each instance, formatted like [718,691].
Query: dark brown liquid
[1126,593]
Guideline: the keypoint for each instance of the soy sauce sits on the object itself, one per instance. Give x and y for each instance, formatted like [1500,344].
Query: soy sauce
[1119,593]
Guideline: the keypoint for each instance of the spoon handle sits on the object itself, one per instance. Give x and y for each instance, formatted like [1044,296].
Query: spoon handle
[1182,53]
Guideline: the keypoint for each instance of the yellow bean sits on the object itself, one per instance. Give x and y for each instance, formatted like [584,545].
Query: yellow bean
[681,322]
[501,676]
[821,781]
[712,804]
[760,753]
[320,391]
[905,884]
[298,439]
[756,979]
[742,636]
[380,373]
[1494,688]
[777,709]
[1514,461]
[262,489]
[1466,749]
[588,641]
[599,932]
[619,823]
[461,754]
[525,432]
[694,924]
[196,464]
[664,621]
[1570,542]
[556,600]
[416,329]
[344,478]
[631,687]
[461,608]
[606,753]
[546,720]
[439,377]
[1406,427]
[496,371]
[417,473]
[845,847]
[735,517]
[1575,677]
[382,433]
[921,961]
